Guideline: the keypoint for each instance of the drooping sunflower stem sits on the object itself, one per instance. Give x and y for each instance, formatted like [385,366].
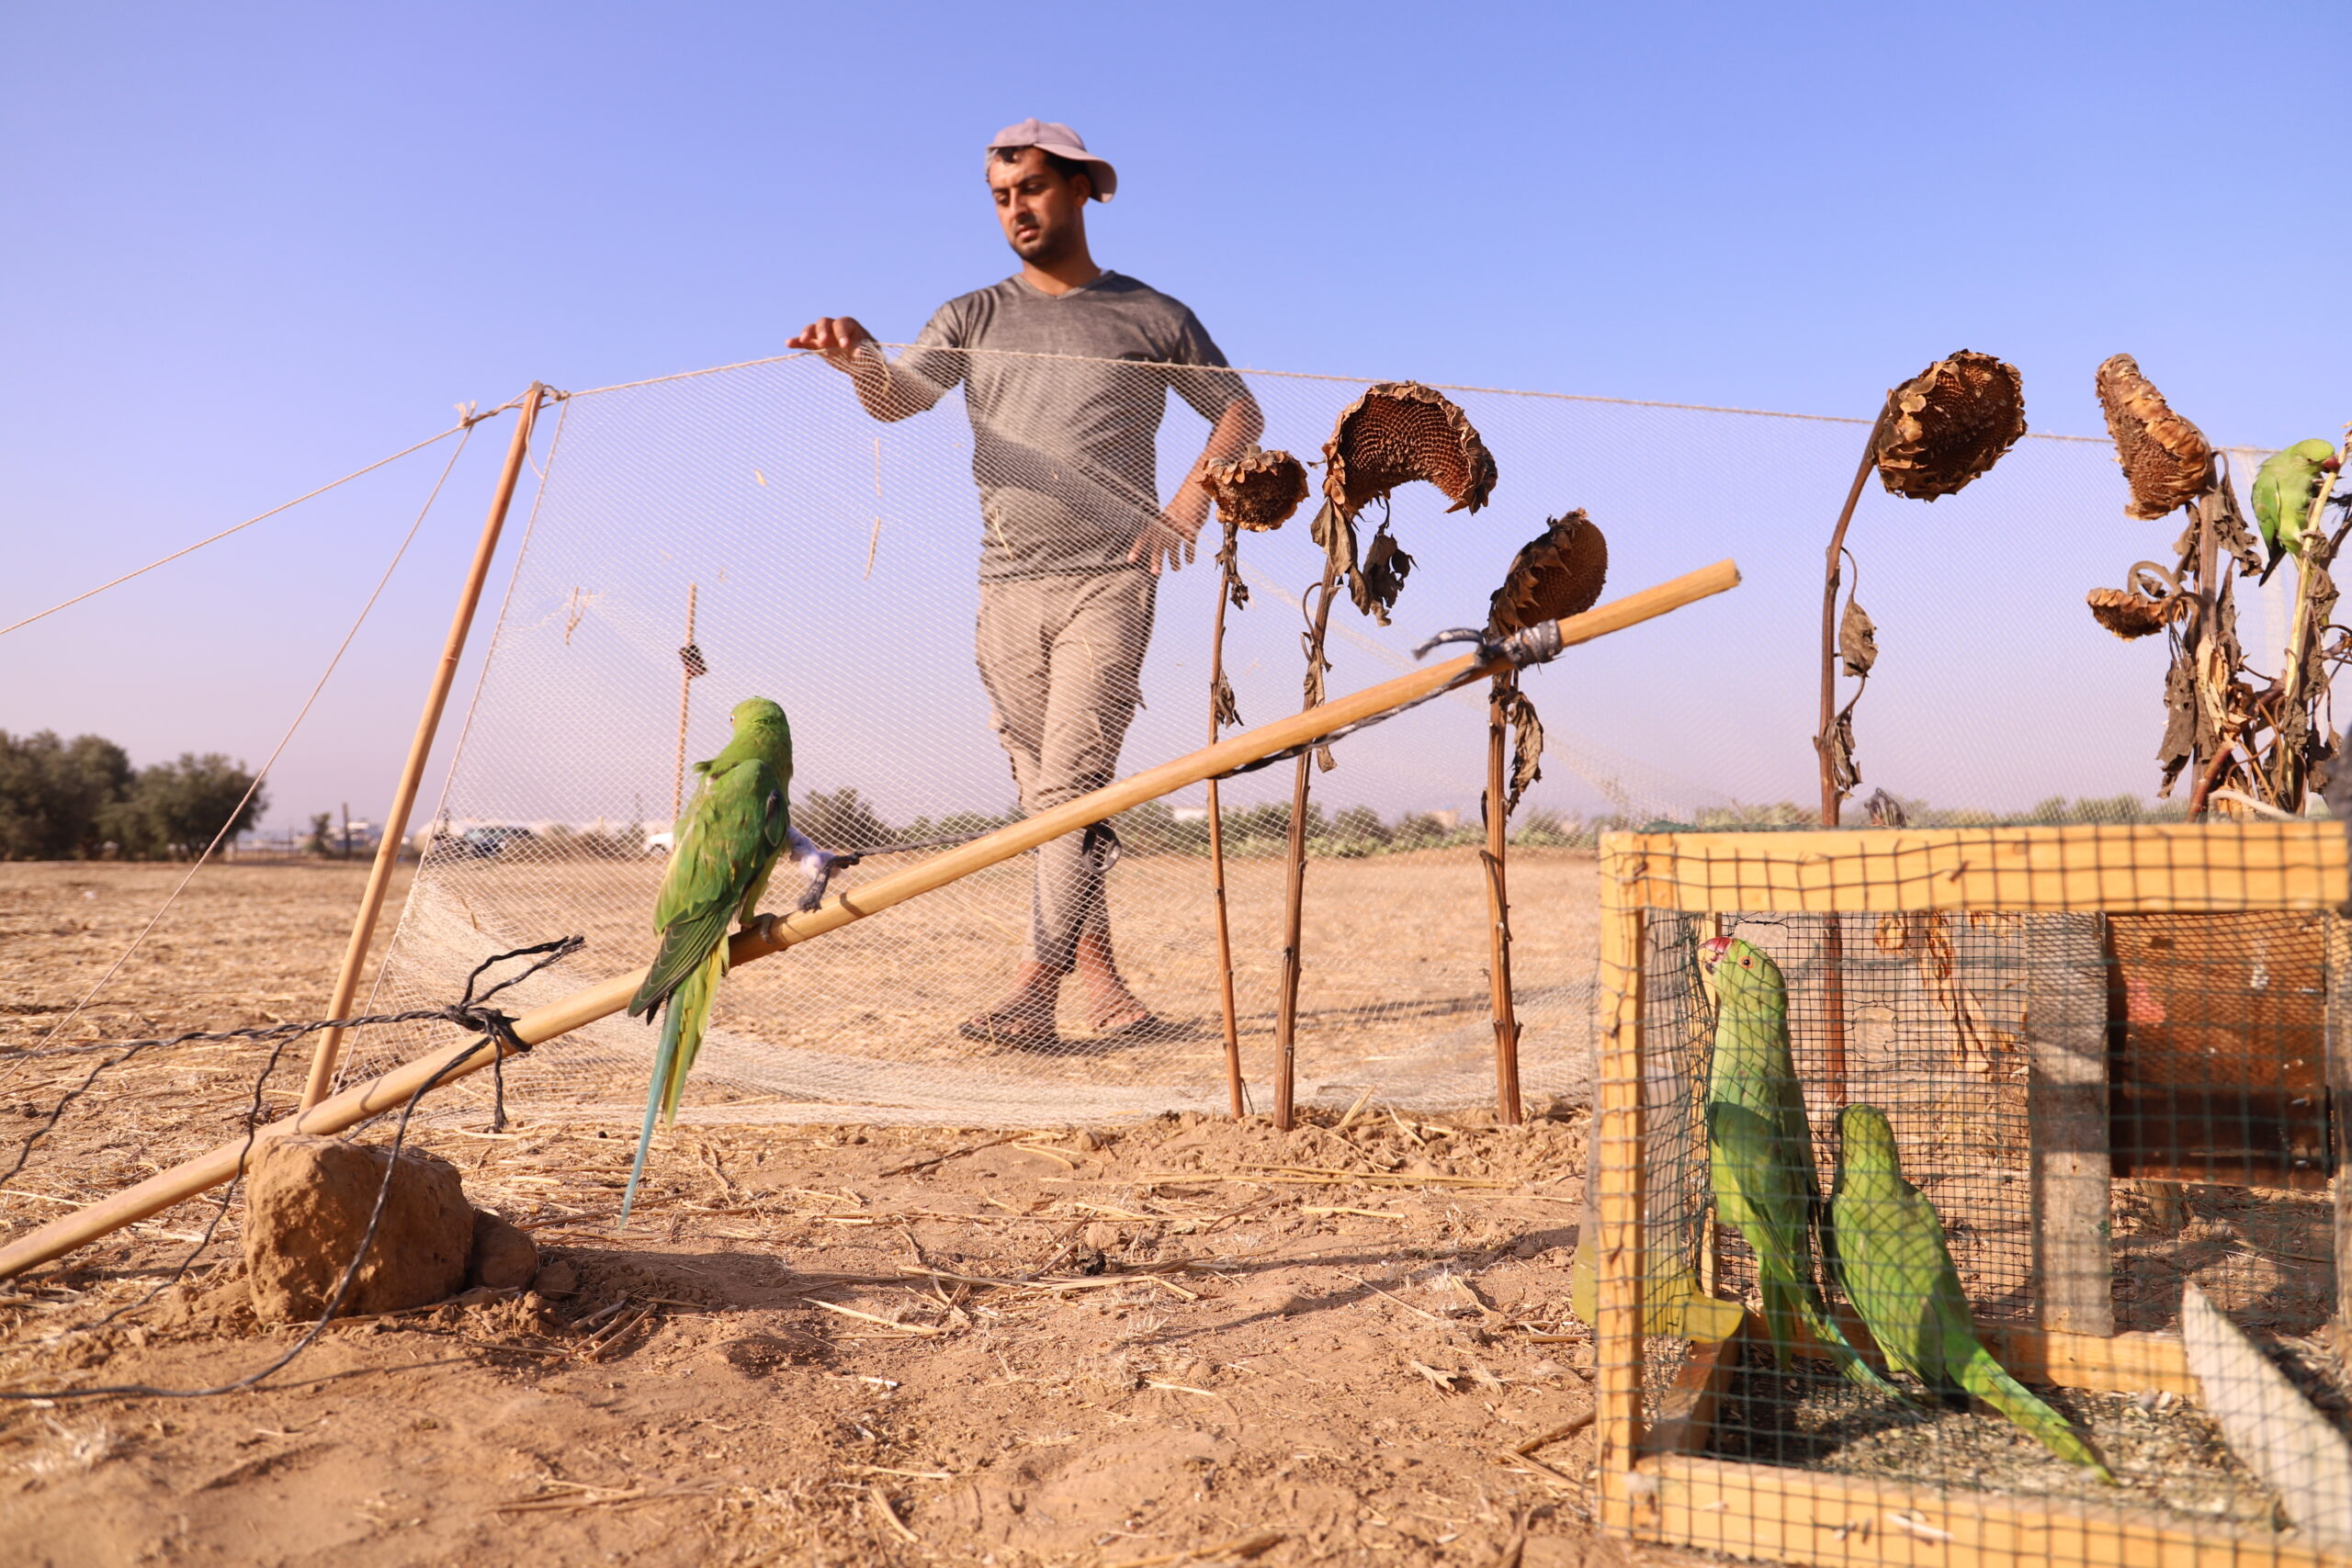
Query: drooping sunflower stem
[1223,711]
[1258,491]
[1497,810]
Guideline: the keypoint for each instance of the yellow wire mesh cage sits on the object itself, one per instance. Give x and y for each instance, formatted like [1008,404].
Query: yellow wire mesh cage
[1968,1196]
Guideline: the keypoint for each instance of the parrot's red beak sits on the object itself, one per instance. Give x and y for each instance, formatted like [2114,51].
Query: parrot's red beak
[1711,950]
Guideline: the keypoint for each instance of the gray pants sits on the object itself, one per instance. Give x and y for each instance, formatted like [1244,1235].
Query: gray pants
[1061,656]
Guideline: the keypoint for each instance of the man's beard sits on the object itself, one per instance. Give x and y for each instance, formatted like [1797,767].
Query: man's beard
[1044,249]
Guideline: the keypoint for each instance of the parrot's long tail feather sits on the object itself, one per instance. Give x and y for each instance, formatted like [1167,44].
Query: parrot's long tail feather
[1990,1381]
[1831,1338]
[661,1063]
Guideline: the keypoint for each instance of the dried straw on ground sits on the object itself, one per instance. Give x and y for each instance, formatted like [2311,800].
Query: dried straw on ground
[1950,424]
[2167,460]
[1402,431]
[1258,489]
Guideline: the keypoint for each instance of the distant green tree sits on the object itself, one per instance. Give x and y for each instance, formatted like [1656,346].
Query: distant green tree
[322,839]
[53,793]
[175,808]
[841,821]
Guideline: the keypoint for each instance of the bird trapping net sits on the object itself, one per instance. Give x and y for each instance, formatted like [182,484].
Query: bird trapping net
[1984,1183]
[834,561]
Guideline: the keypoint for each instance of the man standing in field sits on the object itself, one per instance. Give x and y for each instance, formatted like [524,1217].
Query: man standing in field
[1074,537]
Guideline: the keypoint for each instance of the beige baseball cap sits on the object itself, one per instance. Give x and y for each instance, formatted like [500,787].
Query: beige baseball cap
[1054,137]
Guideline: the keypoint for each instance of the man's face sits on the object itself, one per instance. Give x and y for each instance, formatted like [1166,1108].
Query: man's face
[1043,213]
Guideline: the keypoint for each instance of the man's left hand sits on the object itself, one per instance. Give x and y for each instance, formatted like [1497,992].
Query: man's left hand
[1167,538]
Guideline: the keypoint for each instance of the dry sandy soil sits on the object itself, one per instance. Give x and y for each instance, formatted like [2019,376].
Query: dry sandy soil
[815,1344]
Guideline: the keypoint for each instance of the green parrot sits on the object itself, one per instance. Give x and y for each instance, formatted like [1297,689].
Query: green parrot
[1885,1249]
[726,845]
[1760,1150]
[2283,490]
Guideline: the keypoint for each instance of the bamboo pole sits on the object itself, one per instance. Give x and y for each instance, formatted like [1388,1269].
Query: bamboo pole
[773,933]
[688,656]
[1228,566]
[1508,1110]
[1295,866]
[420,748]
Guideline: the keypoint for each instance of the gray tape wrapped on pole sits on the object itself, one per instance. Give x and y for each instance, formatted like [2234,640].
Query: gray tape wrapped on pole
[774,933]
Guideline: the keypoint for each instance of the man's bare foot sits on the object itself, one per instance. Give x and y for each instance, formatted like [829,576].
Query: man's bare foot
[1111,1008]
[1024,1017]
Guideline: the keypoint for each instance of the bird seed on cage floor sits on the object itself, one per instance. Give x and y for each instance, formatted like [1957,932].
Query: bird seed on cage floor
[2167,1455]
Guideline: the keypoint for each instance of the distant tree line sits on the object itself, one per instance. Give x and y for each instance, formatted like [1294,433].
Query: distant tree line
[81,799]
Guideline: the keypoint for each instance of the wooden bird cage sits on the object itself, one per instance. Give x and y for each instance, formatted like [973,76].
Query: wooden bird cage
[2062,1023]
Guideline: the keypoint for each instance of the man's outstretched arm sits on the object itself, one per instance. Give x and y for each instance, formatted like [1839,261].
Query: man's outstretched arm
[1170,539]
[847,345]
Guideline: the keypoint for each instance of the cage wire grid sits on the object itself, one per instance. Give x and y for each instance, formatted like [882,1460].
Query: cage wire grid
[830,558]
[2104,1056]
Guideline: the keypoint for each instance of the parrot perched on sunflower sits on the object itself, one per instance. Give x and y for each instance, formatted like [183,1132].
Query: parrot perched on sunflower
[1885,1249]
[2284,487]
[736,828]
[1760,1151]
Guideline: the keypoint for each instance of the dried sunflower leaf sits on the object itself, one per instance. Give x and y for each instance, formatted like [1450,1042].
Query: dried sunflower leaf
[1386,567]
[2180,722]
[1526,747]
[1857,638]
[1838,747]
[1221,702]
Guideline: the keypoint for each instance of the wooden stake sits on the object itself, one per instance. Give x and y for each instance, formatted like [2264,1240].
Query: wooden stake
[1229,567]
[773,933]
[686,659]
[1295,886]
[387,852]
[1614,1169]
[1507,1104]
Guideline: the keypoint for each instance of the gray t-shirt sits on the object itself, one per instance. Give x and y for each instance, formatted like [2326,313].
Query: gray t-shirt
[1063,449]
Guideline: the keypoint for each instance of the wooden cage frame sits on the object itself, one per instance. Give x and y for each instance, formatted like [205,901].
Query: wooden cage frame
[1655,1484]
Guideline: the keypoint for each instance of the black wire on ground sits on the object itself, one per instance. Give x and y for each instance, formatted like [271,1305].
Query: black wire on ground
[497,1029]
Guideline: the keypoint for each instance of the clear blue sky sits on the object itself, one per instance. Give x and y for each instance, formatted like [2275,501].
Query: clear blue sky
[251,247]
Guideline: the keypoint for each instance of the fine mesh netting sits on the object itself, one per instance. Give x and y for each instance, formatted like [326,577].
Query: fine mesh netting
[2119,1116]
[831,559]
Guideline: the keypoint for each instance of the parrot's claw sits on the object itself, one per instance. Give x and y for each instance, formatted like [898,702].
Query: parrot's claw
[815,894]
[764,926]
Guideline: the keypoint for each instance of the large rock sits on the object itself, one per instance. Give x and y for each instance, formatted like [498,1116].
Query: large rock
[306,1201]
[505,1255]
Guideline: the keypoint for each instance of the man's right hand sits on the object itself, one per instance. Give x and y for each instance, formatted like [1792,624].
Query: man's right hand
[838,338]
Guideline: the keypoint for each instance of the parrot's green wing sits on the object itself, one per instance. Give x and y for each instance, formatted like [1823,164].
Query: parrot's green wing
[2283,490]
[1767,1195]
[732,833]
[1898,1270]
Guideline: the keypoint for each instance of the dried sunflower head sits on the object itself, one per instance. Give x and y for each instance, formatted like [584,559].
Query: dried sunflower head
[1401,431]
[1949,423]
[1558,573]
[2167,460]
[1257,490]
[2130,613]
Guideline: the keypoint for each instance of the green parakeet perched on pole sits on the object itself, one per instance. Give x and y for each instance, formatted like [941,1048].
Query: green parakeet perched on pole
[2284,487]
[1886,1251]
[728,843]
[1760,1150]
